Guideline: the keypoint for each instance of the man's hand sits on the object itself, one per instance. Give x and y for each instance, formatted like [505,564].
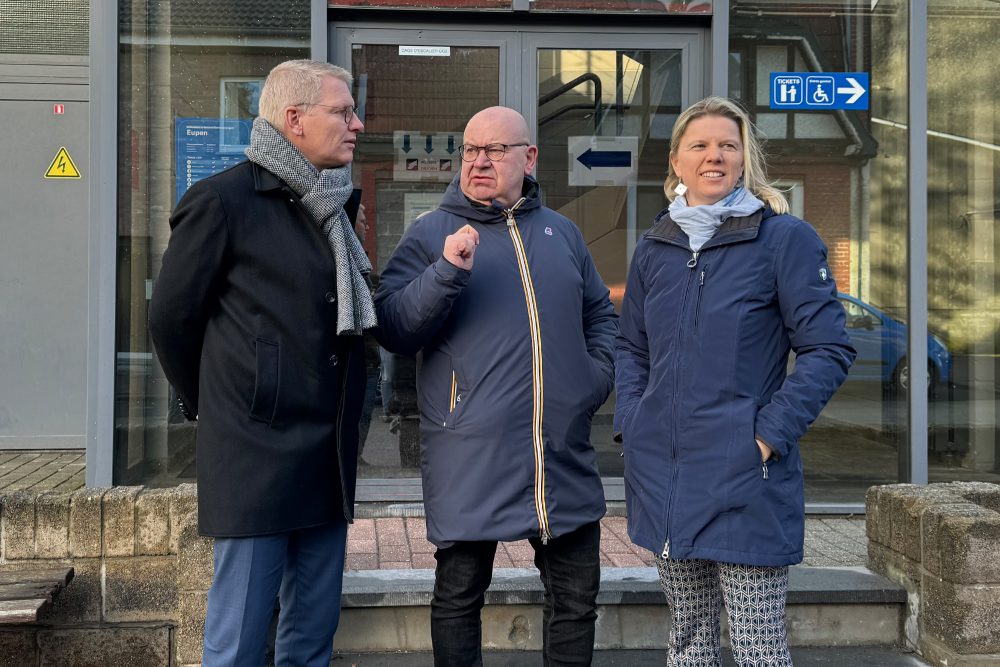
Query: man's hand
[460,247]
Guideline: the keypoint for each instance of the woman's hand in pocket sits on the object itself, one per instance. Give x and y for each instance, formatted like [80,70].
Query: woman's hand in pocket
[765,451]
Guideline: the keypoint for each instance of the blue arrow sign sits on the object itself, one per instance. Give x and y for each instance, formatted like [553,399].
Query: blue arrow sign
[406,143]
[429,144]
[819,90]
[591,158]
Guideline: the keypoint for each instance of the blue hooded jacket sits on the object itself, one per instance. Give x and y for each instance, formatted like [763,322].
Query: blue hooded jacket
[701,370]
[517,357]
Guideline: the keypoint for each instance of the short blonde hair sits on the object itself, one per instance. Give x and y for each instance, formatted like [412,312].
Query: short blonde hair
[295,82]
[754,165]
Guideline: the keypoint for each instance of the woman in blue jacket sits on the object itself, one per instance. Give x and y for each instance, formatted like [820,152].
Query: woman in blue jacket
[722,287]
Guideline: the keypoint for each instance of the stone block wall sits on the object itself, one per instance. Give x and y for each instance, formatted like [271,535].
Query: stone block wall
[942,543]
[142,575]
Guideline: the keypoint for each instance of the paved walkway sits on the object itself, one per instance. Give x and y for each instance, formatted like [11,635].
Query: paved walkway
[48,470]
[400,542]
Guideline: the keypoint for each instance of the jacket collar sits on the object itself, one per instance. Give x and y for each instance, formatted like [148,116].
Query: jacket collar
[266,182]
[455,201]
[733,230]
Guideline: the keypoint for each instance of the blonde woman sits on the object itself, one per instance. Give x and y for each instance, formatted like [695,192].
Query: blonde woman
[722,287]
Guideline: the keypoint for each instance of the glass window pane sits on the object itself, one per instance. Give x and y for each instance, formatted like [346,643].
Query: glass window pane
[415,109]
[817,126]
[963,244]
[603,6]
[773,125]
[203,68]
[735,75]
[625,6]
[850,173]
[620,102]
[769,59]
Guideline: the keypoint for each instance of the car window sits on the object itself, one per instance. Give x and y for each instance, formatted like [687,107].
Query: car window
[858,317]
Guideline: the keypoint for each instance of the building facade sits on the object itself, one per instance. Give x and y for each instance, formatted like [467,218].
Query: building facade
[904,193]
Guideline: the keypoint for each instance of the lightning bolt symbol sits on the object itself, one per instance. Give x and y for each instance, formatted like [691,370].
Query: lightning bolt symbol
[61,164]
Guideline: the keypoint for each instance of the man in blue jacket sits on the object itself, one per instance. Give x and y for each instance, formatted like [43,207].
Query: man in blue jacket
[517,332]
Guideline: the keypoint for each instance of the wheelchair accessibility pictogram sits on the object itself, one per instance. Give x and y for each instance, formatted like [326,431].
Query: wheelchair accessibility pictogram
[820,90]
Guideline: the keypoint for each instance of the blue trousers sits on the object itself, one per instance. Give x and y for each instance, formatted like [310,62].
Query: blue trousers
[304,569]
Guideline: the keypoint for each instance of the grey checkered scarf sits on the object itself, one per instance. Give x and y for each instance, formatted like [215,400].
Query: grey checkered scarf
[323,194]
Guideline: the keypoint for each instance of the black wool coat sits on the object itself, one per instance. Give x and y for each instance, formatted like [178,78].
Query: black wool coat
[244,322]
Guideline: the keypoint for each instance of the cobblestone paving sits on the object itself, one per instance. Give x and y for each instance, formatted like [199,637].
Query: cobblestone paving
[400,543]
[50,470]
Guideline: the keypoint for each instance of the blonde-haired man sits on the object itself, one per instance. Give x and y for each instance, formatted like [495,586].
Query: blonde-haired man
[256,318]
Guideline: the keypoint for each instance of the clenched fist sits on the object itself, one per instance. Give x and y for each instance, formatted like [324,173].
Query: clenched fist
[460,247]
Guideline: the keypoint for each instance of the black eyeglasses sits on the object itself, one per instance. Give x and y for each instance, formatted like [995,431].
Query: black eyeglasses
[494,152]
[347,111]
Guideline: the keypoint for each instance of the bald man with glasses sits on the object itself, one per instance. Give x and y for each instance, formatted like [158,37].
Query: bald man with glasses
[517,332]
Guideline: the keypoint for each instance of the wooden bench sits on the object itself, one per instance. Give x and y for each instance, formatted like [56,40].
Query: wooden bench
[25,594]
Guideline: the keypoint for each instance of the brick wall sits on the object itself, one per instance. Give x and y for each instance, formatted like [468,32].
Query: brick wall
[828,208]
[940,542]
[142,575]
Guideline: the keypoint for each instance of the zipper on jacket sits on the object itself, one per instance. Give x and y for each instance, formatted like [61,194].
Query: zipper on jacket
[697,304]
[693,262]
[348,511]
[763,464]
[666,550]
[454,386]
[536,371]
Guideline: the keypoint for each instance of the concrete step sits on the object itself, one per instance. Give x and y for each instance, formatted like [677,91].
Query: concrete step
[848,656]
[388,610]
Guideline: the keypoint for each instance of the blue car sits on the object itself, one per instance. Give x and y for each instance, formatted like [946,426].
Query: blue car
[880,340]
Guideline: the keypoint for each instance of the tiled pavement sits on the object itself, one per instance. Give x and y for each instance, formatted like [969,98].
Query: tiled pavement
[400,542]
[41,470]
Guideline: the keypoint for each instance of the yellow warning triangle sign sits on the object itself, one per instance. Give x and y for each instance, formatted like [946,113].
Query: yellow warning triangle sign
[62,166]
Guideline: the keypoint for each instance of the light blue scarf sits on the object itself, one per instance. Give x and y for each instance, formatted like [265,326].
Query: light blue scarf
[701,222]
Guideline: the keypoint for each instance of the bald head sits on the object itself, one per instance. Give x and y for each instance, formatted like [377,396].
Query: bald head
[501,120]
[484,180]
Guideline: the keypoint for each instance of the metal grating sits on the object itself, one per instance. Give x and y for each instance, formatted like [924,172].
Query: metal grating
[45,27]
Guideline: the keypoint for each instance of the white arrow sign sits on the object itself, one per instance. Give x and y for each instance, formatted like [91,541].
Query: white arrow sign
[855,91]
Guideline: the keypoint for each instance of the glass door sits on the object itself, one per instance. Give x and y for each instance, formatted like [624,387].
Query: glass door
[601,117]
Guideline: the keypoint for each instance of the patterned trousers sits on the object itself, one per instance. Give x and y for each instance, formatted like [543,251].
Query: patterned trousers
[754,598]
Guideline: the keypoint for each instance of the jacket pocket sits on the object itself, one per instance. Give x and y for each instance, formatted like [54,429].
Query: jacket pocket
[456,396]
[265,388]
[598,393]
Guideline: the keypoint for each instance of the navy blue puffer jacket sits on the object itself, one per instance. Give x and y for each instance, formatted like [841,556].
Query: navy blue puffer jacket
[701,370]
[517,356]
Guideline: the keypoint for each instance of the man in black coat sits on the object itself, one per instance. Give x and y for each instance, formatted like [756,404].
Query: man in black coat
[257,317]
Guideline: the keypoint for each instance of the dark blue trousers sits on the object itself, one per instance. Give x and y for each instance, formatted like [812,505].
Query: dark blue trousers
[304,569]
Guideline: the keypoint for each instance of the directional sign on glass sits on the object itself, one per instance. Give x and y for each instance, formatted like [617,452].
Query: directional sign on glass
[602,160]
[819,90]
[425,157]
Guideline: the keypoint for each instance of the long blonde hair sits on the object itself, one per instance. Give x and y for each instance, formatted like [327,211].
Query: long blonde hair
[754,166]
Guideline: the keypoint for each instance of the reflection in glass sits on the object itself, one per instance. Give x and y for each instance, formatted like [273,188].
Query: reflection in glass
[849,172]
[592,105]
[963,201]
[205,63]
[414,110]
